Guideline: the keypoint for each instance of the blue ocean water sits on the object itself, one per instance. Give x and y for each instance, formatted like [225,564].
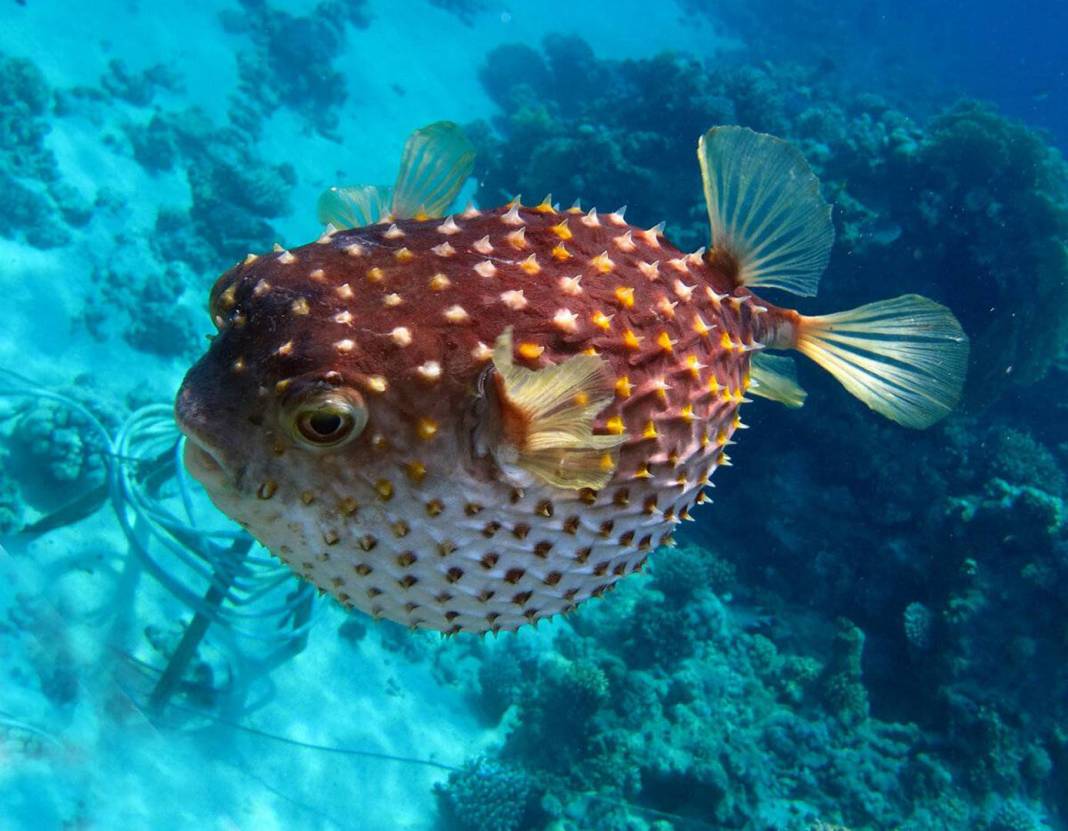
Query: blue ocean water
[865,630]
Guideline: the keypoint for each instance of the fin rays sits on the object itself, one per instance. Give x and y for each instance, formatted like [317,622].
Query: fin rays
[558,406]
[765,209]
[353,207]
[437,160]
[905,358]
[775,378]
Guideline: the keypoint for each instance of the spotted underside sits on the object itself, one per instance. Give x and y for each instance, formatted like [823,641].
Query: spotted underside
[413,521]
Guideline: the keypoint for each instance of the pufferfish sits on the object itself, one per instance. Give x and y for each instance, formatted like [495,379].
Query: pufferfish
[472,422]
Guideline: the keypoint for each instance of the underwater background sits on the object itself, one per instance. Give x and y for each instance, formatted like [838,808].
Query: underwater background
[868,629]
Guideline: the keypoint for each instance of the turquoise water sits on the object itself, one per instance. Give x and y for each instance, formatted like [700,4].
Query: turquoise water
[865,630]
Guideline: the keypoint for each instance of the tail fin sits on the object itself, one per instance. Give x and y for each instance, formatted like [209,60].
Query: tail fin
[905,358]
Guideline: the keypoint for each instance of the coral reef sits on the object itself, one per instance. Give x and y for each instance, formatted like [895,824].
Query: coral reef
[925,203]
[149,317]
[25,99]
[28,166]
[487,796]
[234,193]
[138,88]
[985,183]
[466,10]
[586,129]
[943,554]
[278,71]
[742,733]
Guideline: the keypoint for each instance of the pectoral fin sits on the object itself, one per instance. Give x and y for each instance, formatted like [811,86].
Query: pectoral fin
[547,416]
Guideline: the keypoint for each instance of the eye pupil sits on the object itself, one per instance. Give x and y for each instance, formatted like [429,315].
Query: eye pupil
[325,420]
[324,423]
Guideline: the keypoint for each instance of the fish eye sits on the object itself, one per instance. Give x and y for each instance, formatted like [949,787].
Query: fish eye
[327,419]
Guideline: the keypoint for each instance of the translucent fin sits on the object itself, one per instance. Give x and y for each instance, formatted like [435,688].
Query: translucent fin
[775,378]
[437,160]
[905,358]
[547,419]
[769,223]
[353,207]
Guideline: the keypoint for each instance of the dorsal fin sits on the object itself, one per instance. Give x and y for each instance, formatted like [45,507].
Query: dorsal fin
[775,377]
[437,160]
[353,207]
[770,226]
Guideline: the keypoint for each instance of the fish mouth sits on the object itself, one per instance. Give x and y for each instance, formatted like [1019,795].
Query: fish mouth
[203,463]
[203,458]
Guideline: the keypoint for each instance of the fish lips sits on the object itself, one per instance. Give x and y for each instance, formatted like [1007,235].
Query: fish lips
[205,455]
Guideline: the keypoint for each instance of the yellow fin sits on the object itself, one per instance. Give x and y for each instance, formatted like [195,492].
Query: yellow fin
[770,226]
[775,377]
[905,358]
[354,206]
[437,160]
[547,418]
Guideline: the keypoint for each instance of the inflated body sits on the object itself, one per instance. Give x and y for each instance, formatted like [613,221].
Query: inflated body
[474,422]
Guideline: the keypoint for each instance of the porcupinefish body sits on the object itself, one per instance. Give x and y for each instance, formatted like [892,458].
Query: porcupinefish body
[472,422]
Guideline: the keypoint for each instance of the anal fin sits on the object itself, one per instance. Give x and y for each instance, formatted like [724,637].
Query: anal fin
[775,377]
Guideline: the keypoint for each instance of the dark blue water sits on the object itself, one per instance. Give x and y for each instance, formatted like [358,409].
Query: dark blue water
[1013,59]
[865,630]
